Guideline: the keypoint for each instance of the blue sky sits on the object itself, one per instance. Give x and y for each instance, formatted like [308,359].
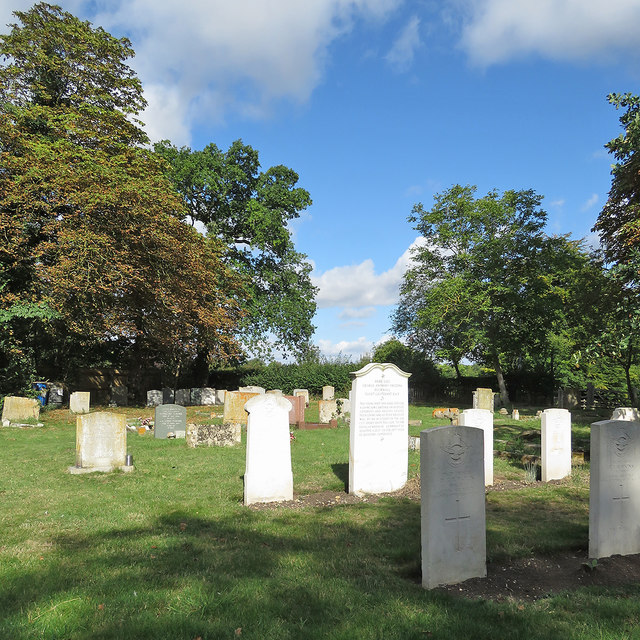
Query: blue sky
[379,104]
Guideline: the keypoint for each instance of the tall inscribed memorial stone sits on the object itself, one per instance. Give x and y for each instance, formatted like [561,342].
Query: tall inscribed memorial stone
[378,452]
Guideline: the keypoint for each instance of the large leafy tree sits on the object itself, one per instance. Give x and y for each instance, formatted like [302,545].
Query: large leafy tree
[91,229]
[486,284]
[250,211]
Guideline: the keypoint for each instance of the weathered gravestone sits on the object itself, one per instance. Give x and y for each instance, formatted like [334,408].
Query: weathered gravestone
[344,406]
[276,392]
[268,476]
[378,454]
[483,399]
[16,409]
[614,494]
[101,443]
[556,444]
[302,392]
[213,435]
[183,397]
[196,397]
[80,401]
[56,396]
[626,413]
[170,418]
[251,389]
[452,512]
[296,415]
[154,398]
[208,396]
[119,395]
[327,410]
[328,393]
[482,419]
[234,410]
[168,395]
[220,395]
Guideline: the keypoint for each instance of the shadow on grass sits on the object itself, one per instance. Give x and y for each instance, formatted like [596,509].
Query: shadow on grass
[341,469]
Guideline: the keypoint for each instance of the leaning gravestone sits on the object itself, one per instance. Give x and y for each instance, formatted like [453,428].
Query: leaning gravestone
[101,443]
[482,419]
[213,435]
[328,393]
[452,505]
[614,494]
[378,455]
[327,410]
[483,399]
[80,401]
[16,409]
[183,397]
[170,418]
[268,476]
[556,444]
[154,398]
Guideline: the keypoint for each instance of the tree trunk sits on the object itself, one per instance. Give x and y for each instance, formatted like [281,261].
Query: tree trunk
[504,394]
[455,366]
[627,374]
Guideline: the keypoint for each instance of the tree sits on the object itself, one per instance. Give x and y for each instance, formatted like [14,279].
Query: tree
[91,227]
[487,282]
[250,211]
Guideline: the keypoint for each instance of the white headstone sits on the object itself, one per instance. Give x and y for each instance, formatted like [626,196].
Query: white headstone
[626,413]
[101,442]
[556,444]
[268,476]
[79,402]
[614,494]
[482,419]
[251,389]
[378,455]
[452,512]
[327,410]
[302,392]
[328,393]
[515,414]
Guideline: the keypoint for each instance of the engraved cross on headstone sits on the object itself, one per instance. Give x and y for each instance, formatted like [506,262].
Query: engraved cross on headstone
[620,500]
[456,519]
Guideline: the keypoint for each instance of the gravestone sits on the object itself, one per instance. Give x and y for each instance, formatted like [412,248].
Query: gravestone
[183,397]
[101,443]
[614,493]
[482,419]
[16,409]
[268,476]
[303,392]
[328,393]
[626,413]
[327,410]
[170,418]
[296,415]
[556,444]
[213,435]
[276,392]
[378,454]
[119,395]
[168,395]
[344,406]
[56,396]
[208,396]
[452,505]
[196,397]
[234,410]
[220,396]
[251,389]
[79,402]
[515,414]
[483,399]
[154,398]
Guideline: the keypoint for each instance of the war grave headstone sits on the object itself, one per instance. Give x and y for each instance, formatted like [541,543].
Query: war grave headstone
[16,409]
[101,443]
[154,398]
[452,505]
[80,401]
[251,389]
[234,410]
[168,395]
[303,392]
[213,435]
[208,396]
[268,476]
[170,418]
[183,397]
[614,493]
[196,397]
[327,410]
[220,396]
[328,393]
[555,430]
[296,415]
[379,431]
[626,413]
[482,419]
[483,399]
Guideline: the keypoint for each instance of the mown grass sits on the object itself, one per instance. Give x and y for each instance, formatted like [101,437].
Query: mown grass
[169,551]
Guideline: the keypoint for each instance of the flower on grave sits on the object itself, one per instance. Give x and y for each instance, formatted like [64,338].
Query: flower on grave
[292,436]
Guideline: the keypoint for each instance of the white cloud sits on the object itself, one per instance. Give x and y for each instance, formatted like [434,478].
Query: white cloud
[590,203]
[355,348]
[359,285]
[557,203]
[499,30]
[403,51]
[349,312]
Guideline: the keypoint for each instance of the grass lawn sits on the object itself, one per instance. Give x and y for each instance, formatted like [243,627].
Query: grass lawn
[169,551]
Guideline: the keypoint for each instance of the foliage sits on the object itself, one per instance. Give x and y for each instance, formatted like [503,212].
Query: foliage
[91,226]
[250,211]
[421,368]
